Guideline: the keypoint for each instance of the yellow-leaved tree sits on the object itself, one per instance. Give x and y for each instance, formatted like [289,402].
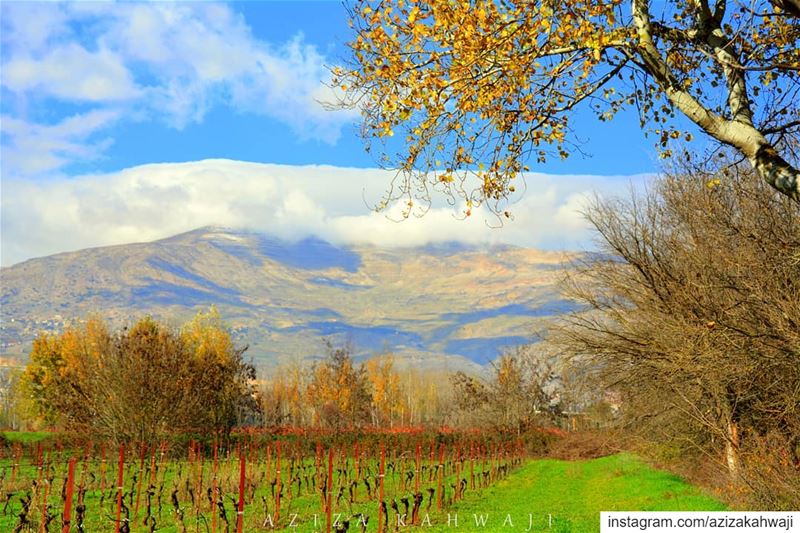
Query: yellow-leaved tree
[142,382]
[475,88]
[388,406]
[339,391]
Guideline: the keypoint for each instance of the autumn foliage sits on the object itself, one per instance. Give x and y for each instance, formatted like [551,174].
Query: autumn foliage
[338,393]
[141,382]
[474,90]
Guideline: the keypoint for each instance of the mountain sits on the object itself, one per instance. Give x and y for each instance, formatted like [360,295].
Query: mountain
[442,305]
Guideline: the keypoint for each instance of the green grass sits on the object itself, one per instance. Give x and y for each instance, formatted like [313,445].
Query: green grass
[566,496]
[25,437]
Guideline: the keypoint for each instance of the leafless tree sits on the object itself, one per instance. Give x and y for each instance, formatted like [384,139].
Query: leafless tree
[524,390]
[693,312]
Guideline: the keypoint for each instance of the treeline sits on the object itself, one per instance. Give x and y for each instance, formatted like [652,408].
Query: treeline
[336,393]
[151,381]
[521,390]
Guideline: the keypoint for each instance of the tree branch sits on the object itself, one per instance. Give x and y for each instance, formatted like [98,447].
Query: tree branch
[792,7]
[654,64]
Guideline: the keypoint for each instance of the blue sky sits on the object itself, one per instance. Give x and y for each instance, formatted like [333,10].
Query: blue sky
[93,93]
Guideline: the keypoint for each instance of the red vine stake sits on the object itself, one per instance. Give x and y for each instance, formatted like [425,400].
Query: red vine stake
[380,488]
[46,496]
[418,472]
[214,490]
[471,465]
[252,461]
[432,461]
[68,502]
[318,474]
[143,454]
[201,463]
[103,468]
[39,469]
[440,496]
[86,456]
[329,502]
[457,495]
[162,466]
[270,467]
[120,472]
[495,462]
[153,467]
[242,469]
[17,456]
[277,481]
[357,467]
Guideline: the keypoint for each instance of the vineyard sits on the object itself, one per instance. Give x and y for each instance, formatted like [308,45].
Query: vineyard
[253,483]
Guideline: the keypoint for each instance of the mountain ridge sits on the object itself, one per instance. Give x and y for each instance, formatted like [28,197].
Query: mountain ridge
[448,305]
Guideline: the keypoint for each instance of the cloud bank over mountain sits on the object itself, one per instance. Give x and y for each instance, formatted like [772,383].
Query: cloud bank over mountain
[42,217]
[90,90]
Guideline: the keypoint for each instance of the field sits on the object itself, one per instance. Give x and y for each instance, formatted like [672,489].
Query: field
[568,496]
[306,485]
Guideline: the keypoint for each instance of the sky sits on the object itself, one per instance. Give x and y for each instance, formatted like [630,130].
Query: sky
[128,122]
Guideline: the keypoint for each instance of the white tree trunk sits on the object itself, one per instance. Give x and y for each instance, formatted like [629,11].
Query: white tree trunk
[778,173]
[738,131]
[732,449]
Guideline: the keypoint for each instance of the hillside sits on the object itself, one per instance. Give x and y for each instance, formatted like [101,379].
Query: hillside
[446,305]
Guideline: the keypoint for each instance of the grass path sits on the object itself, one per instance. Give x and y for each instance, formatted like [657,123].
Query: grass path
[565,496]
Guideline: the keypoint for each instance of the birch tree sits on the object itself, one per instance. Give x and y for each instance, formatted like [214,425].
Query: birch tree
[475,89]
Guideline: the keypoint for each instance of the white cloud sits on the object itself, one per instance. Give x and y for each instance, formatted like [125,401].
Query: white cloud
[167,62]
[30,26]
[155,201]
[72,73]
[34,149]
[290,83]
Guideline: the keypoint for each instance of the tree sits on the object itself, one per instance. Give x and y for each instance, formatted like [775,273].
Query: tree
[57,377]
[339,391]
[14,407]
[337,394]
[427,395]
[478,87]
[223,372]
[142,382]
[388,406]
[284,396]
[693,315]
[523,391]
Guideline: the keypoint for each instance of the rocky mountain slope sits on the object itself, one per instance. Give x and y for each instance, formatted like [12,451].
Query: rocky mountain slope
[447,305]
